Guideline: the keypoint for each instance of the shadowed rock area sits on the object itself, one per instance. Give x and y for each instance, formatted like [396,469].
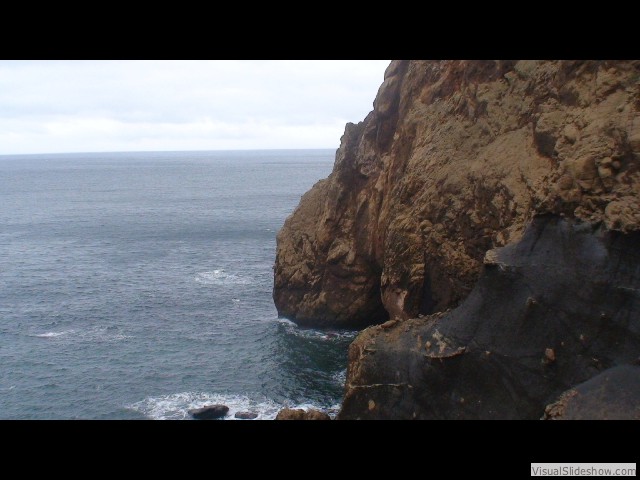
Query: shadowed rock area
[612,395]
[549,312]
[455,159]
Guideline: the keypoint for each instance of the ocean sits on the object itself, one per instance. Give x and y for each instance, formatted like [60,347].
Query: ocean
[138,286]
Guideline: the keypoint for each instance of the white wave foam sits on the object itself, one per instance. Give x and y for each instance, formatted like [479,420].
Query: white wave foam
[310,333]
[340,377]
[220,277]
[95,334]
[101,334]
[52,334]
[176,406]
[332,411]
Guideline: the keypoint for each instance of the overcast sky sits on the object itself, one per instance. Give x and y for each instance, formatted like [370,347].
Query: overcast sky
[98,106]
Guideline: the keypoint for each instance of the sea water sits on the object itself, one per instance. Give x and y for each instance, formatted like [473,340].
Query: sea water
[138,285]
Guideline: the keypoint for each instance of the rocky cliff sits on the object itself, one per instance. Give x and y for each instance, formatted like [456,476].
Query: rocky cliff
[549,312]
[455,159]
[507,189]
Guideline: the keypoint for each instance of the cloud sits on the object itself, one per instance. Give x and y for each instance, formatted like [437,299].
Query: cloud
[72,106]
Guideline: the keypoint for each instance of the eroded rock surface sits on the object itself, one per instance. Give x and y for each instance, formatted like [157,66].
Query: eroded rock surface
[549,312]
[454,160]
[612,395]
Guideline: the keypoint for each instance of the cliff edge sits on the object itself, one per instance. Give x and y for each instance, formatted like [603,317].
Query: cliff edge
[456,159]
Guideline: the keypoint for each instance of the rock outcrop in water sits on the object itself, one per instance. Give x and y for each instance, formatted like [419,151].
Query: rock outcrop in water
[209,412]
[458,159]
[246,415]
[455,159]
[300,414]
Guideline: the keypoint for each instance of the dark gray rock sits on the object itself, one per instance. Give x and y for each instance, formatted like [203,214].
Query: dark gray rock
[246,415]
[612,395]
[209,412]
[548,313]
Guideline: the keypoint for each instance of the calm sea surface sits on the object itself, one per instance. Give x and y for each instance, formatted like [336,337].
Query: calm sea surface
[138,285]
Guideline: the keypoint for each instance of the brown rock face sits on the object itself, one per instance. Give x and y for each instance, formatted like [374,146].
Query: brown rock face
[454,160]
[300,414]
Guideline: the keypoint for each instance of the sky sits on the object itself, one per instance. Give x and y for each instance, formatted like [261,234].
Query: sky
[112,106]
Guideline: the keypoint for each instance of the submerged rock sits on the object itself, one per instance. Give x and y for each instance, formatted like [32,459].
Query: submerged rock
[554,310]
[209,412]
[246,415]
[300,414]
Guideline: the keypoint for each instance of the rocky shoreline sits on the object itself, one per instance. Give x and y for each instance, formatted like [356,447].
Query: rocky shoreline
[220,412]
[485,217]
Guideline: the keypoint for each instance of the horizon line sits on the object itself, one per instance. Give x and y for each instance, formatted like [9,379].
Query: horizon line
[168,151]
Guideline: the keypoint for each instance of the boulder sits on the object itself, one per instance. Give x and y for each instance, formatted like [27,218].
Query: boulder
[246,415]
[300,414]
[209,412]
